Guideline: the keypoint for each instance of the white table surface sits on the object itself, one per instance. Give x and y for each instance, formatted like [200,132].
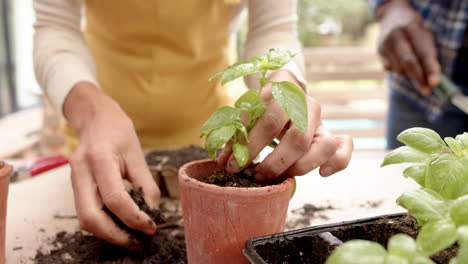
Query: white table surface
[33,203]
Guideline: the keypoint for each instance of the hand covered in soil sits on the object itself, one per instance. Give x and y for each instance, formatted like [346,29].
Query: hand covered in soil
[406,46]
[297,153]
[109,151]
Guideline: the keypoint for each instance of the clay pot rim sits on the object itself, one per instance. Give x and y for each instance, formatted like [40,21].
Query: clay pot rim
[6,170]
[250,191]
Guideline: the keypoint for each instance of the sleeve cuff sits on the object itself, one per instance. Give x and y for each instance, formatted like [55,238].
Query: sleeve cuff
[63,80]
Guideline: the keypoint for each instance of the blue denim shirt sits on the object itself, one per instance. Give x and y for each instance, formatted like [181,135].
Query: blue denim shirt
[447,20]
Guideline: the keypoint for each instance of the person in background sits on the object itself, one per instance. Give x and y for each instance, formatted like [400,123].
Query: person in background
[419,40]
[135,75]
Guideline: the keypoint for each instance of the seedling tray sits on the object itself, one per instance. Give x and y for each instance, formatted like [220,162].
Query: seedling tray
[313,245]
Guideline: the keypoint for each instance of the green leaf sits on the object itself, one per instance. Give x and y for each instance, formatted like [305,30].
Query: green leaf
[454,261]
[254,116]
[436,236]
[459,210]
[294,187]
[238,70]
[277,58]
[404,154]
[391,259]
[422,260]
[273,60]
[424,204]
[402,245]
[222,117]
[462,235]
[249,101]
[292,99]
[358,252]
[447,176]
[217,138]
[241,153]
[462,254]
[463,138]
[422,139]
[455,145]
[243,130]
[417,173]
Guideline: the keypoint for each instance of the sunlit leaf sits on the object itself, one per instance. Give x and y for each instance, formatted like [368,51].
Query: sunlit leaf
[292,99]
[358,252]
[404,154]
[422,139]
[436,236]
[217,138]
[424,204]
[222,117]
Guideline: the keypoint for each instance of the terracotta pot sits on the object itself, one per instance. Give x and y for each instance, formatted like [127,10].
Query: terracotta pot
[219,220]
[4,182]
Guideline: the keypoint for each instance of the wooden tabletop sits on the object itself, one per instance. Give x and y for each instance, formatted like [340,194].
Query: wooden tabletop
[362,190]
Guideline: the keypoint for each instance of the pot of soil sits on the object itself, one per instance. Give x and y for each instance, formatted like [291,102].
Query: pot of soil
[219,220]
[5,171]
[313,245]
[164,165]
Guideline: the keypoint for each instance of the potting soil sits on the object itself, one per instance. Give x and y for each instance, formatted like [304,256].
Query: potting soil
[167,246]
[222,178]
[312,249]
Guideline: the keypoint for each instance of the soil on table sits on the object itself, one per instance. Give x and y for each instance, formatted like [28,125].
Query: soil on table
[313,249]
[167,246]
[222,178]
[302,217]
[176,157]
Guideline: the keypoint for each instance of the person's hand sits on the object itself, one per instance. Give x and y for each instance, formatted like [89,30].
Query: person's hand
[297,153]
[108,152]
[406,46]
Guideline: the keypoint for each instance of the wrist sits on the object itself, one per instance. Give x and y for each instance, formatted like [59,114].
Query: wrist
[384,6]
[84,103]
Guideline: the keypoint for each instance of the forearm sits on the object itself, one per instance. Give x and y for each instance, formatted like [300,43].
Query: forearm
[61,56]
[274,27]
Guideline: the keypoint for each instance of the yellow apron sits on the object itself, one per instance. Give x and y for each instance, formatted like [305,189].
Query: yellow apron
[154,58]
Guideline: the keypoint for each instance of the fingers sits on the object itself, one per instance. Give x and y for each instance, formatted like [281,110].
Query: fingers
[89,206]
[140,176]
[106,167]
[424,47]
[340,160]
[408,60]
[322,149]
[293,145]
[267,128]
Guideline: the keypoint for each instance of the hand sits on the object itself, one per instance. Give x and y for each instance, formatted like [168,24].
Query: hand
[297,153]
[108,152]
[406,46]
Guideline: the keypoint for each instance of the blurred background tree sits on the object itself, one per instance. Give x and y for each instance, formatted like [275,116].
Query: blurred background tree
[332,22]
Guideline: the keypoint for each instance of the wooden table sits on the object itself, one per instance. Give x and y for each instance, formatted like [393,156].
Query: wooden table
[362,190]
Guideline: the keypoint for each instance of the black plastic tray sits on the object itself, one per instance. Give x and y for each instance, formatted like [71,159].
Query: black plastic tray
[251,253]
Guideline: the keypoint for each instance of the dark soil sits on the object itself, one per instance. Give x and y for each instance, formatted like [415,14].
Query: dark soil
[222,178]
[314,249]
[167,246]
[176,157]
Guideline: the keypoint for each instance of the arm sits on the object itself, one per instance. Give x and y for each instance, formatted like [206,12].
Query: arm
[109,149]
[406,46]
[274,26]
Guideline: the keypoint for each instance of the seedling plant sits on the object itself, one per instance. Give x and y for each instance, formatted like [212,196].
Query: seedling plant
[234,123]
[440,206]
